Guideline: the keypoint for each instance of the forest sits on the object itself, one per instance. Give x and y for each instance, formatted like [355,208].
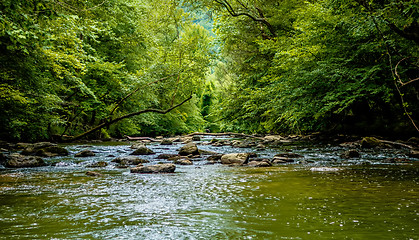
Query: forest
[109,68]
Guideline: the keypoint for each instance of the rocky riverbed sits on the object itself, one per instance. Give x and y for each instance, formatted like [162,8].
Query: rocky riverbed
[205,187]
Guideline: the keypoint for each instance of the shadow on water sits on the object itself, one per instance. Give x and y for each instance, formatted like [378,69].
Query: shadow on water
[324,198]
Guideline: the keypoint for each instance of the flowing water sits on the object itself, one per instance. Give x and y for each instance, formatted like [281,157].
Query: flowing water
[326,198]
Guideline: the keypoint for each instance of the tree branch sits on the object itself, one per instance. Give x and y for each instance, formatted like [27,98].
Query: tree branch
[108,123]
[260,19]
[136,90]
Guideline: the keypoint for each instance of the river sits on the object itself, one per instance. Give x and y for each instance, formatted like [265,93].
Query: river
[359,199]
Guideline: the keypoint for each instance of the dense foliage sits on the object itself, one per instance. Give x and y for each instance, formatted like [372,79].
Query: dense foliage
[66,66]
[283,66]
[328,65]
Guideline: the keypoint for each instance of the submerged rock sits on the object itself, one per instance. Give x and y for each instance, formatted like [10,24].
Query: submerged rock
[129,160]
[167,156]
[196,138]
[142,150]
[98,164]
[189,149]
[259,164]
[235,158]
[350,154]
[166,142]
[214,158]
[289,155]
[85,153]
[159,168]
[277,160]
[93,174]
[20,161]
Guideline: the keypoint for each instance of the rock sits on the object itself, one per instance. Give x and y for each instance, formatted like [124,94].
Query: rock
[188,149]
[129,160]
[215,157]
[44,149]
[85,153]
[196,138]
[259,164]
[235,158]
[272,138]
[19,161]
[370,142]
[167,156]
[40,145]
[277,160]
[289,155]
[98,164]
[260,146]
[159,168]
[56,151]
[183,162]
[413,153]
[137,145]
[350,154]
[166,142]
[177,157]
[142,150]
[93,174]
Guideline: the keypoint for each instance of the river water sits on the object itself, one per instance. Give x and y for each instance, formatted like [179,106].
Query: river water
[326,198]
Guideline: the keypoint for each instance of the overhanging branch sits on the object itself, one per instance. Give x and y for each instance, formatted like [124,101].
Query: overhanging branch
[108,123]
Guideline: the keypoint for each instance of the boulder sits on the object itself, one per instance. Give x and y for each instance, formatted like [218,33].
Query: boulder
[20,161]
[166,142]
[98,164]
[183,162]
[85,153]
[129,160]
[370,142]
[235,158]
[189,149]
[142,150]
[159,168]
[44,149]
[350,154]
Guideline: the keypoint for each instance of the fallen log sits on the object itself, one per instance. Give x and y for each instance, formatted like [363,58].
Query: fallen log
[224,134]
[141,138]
